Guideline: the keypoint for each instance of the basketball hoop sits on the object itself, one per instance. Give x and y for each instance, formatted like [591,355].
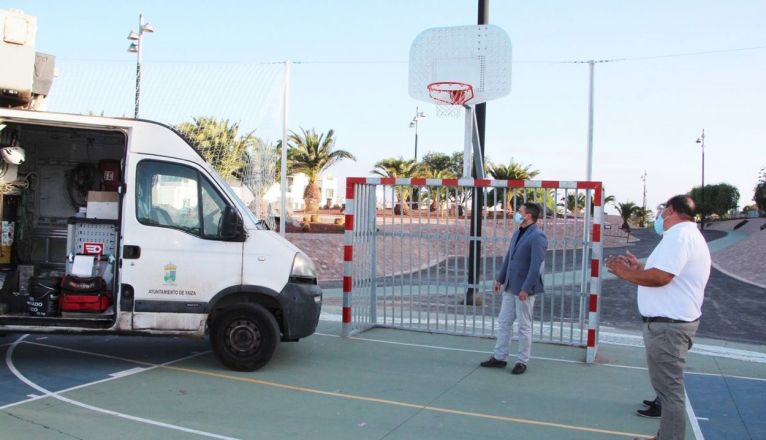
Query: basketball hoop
[450,92]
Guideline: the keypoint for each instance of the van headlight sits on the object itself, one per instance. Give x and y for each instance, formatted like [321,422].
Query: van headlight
[303,270]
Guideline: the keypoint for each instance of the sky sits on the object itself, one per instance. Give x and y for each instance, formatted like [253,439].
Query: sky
[676,68]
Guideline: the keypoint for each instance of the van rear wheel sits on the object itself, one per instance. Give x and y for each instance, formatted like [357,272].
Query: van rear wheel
[244,337]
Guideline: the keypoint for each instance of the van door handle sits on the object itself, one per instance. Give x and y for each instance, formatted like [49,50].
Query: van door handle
[131,252]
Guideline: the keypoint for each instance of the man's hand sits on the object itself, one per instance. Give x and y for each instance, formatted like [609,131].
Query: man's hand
[523,295]
[618,265]
[497,287]
[632,261]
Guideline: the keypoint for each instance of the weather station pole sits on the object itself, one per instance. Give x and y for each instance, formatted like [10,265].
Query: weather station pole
[137,47]
[414,124]
[477,199]
[643,178]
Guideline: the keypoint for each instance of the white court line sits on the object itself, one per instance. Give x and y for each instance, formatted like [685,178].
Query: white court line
[33,397]
[568,361]
[693,418]
[56,395]
[628,340]
[129,372]
[699,373]
[437,347]
[689,410]
[150,366]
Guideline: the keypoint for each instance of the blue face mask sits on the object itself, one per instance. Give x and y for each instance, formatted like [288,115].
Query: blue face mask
[659,224]
[517,218]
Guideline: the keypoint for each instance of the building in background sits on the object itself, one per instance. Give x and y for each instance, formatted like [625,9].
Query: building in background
[296,185]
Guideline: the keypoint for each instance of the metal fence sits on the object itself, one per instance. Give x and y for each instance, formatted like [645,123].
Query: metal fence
[407,265]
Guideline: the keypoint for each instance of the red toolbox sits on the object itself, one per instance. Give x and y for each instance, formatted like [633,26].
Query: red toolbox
[84,302]
[84,294]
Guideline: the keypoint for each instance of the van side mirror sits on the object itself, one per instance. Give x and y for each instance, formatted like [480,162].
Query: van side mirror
[232,228]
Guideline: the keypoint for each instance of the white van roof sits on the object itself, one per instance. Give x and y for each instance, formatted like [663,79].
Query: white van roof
[145,137]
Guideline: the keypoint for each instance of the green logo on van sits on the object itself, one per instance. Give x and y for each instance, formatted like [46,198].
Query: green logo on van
[170,273]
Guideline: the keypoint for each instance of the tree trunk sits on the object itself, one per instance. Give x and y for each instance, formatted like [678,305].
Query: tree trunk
[311,197]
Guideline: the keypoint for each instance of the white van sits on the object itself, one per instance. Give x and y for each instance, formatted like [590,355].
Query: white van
[132,204]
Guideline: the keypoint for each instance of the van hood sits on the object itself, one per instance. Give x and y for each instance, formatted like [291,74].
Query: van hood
[278,239]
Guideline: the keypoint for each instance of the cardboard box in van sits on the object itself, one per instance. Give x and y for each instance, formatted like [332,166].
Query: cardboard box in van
[103,205]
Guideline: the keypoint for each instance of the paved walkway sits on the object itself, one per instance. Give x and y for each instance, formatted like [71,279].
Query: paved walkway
[745,257]
[738,253]
[732,310]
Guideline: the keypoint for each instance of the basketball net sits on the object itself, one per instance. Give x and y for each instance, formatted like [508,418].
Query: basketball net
[447,111]
[449,97]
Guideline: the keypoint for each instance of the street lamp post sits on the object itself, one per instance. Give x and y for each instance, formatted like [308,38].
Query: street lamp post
[136,46]
[414,123]
[701,141]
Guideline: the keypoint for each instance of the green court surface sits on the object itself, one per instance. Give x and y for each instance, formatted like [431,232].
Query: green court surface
[383,383]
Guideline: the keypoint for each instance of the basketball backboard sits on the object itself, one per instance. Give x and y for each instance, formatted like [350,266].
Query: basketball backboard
[460,65]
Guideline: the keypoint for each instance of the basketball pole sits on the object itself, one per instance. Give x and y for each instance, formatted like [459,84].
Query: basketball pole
[477,199]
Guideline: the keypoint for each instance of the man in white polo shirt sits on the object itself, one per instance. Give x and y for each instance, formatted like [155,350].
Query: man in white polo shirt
[671,287]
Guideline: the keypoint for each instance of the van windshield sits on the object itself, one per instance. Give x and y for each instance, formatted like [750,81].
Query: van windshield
[241,206]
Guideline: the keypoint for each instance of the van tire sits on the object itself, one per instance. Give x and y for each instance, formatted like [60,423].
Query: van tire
[244,336]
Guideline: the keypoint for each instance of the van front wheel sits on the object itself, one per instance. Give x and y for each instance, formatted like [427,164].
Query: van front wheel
[244,337]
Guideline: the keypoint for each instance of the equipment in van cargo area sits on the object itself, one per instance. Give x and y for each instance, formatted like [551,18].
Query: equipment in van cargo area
[43,299]
[84,294]
[102,205]
[91,302]
[17,302]
[110,175]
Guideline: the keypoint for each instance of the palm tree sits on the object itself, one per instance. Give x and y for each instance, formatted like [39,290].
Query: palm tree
[573,202]
[546,198]
[641,215]
[513,171]
[311,154]
[626,210]
[438,194]
[393,167]
[218,142]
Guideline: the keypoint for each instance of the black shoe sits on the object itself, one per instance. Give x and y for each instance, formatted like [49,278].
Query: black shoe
[653,412]
[493,363]
[650,403]
[519,368]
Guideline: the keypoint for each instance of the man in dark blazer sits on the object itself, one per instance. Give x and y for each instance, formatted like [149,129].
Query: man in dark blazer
[519,279]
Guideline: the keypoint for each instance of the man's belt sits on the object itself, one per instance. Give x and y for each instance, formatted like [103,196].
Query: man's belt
[664,319]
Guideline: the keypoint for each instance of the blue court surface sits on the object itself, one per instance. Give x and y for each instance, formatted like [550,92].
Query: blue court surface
[73,363]
[728,408]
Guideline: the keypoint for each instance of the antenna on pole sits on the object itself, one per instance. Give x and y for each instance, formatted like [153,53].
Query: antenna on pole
[643,177]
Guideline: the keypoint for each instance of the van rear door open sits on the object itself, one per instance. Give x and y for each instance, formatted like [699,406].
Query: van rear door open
[175,253]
